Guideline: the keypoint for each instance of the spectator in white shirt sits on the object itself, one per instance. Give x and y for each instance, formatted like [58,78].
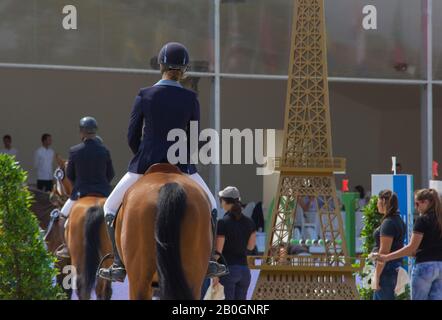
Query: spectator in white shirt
[43,162]
[8,149]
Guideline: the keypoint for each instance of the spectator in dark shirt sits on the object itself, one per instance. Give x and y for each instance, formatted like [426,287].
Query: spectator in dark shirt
[426,245]
[388,237]
[399,169]
[258,217]
[236,236]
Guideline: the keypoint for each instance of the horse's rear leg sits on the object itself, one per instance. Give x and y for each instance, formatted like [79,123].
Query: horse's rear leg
[81,292]
[103,289]
[140,284]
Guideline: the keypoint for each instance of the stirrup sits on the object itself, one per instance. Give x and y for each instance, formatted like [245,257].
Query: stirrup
[113,273]
[216,270]
[62,252]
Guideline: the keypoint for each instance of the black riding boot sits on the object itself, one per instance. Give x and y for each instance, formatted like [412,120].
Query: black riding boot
[215,269]
[116,272]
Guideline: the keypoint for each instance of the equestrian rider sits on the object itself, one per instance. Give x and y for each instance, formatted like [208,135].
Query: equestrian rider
[89,169]
[157,110]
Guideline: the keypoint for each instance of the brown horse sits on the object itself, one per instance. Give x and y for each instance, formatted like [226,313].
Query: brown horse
[164,226]
[88,243]
[86,238]
[42,207]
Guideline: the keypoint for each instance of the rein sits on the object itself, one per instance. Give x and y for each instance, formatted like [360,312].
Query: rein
[55,214]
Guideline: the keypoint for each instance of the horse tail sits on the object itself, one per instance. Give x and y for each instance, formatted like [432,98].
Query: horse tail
[171,208]
[93,222]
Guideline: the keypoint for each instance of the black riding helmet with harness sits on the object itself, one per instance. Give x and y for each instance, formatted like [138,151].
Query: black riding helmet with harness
[88,125]
[174,56]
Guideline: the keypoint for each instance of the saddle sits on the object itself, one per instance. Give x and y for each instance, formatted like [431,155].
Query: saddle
[163,168]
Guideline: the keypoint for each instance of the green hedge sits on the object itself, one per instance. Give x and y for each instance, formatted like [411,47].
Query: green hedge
[26,271]
[371,220]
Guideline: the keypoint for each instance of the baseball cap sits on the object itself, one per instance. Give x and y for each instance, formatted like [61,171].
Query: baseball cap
[230,192]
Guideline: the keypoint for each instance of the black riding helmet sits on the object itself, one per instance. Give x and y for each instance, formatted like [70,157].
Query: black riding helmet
[174,56]
[88,125]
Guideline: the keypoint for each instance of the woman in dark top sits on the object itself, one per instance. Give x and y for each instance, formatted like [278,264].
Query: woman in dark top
[236,235]
[426,245]
[388,237]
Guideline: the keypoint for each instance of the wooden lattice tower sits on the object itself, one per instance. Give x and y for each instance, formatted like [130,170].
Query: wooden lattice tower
[306,168]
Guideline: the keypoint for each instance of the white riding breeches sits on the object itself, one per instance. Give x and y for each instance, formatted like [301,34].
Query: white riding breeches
[115,199]
[197,178]
[66,210]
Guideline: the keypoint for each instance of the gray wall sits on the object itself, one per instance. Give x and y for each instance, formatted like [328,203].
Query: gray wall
[34,101]
[370,123]
[437,128]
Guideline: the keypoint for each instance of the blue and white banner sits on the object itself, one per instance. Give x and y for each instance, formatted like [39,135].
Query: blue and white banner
[402,185]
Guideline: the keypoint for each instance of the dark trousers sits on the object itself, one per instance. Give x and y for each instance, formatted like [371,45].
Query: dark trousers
[45,185]
[387,283]
[236,283]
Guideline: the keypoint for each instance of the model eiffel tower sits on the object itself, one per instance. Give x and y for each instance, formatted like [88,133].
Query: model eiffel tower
[307,170]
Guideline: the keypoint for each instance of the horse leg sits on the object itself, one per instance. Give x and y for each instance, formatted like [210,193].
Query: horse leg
[137,245]
[76,245]
[103,289]
[77,262]
[196,245]
[195,277]
[81,292]
[140,282]
[140,271]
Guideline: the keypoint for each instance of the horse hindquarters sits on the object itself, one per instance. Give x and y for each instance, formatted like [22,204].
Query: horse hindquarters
[75,243]
[96,245]
[87,240]
[178,214]
[136,244]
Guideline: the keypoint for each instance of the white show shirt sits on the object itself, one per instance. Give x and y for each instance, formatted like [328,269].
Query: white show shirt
[11,152]
[43,161]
